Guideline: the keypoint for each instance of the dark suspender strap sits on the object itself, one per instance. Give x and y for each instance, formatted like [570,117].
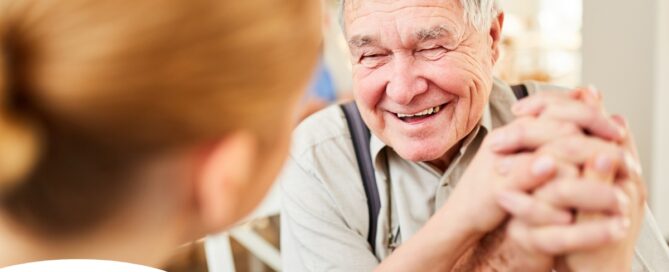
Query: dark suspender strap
[520,91]
[360,136]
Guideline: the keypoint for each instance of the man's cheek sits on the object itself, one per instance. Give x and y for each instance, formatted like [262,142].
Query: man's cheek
[369,92]
[453,78]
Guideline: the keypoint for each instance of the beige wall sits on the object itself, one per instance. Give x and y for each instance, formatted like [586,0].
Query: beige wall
[622,43]
[660,185]
[618,51]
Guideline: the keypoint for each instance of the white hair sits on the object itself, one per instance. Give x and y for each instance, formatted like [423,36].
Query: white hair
[478,13]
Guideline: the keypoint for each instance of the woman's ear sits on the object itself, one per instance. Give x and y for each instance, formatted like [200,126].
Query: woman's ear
[222,179]
[496,35]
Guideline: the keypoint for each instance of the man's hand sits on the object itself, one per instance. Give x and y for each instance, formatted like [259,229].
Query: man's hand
[541,228]
[502,164]
[623,168]
[542,239]
[495,169]
[543,118]
[577,113]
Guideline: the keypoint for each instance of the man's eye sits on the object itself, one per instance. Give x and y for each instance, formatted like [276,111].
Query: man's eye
[372,60]
[371,56]
[434,53]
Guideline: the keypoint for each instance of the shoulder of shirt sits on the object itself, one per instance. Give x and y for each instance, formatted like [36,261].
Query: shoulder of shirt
[534,87]
[321,128]
[502,98]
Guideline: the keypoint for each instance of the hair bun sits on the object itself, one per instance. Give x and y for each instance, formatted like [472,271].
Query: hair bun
[19,140]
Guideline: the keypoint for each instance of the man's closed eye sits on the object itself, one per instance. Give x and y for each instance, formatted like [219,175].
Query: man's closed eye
[373,60]
[434,53]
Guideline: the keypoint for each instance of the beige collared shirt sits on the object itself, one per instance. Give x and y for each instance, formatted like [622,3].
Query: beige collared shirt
[324,220]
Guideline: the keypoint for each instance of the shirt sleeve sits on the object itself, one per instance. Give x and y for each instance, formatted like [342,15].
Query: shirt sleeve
[314,233]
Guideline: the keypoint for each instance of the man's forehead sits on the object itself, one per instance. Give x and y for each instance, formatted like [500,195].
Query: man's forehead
[424,19]
[420,34]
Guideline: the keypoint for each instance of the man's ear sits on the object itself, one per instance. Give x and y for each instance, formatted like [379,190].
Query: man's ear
[496,35]
[222,178]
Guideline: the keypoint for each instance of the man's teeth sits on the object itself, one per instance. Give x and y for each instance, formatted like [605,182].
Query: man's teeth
[422,113]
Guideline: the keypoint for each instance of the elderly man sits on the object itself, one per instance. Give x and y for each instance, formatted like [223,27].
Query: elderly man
[468,178]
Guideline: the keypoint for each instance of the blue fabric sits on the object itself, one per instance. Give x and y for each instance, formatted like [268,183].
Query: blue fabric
[321,86]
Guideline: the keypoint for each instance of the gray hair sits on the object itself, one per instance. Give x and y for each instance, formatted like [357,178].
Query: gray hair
[478,13]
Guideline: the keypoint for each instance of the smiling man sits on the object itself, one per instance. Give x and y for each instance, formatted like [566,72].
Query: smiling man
[423,84]
[405,56]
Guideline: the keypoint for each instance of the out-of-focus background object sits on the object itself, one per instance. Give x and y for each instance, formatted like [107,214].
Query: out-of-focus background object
[541,42]
[621,47]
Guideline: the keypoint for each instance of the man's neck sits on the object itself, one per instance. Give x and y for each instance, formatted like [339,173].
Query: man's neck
[445,161]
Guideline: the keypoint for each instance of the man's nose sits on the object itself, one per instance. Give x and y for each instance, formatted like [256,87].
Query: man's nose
[405,82]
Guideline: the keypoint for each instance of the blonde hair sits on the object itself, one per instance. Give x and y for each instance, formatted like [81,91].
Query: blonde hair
[88,88]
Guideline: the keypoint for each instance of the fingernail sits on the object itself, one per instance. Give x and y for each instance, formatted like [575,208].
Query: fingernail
[633,165]
[594,91]
[603,163]
[621,132]
[623,200]
[619,120]
[618,228]
[499,140]
[543,166]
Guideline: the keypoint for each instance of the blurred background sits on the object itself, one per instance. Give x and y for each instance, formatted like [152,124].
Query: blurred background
[620,47]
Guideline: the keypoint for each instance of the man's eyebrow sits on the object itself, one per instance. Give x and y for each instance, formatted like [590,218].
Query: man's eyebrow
[433,33]
[358,41]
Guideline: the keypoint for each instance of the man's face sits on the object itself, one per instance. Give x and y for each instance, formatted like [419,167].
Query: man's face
[421,74]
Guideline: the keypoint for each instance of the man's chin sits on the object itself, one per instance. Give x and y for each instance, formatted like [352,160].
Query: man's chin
[422,154]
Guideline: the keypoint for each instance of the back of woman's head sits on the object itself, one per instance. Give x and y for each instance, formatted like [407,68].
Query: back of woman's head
[89,88]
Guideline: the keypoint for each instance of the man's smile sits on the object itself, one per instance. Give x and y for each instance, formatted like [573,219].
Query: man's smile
[421,115]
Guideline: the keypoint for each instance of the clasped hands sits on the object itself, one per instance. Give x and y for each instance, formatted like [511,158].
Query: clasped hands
[561,185]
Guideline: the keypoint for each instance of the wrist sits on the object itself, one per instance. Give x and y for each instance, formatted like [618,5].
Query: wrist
[437,246]
[457,229]
[458,219]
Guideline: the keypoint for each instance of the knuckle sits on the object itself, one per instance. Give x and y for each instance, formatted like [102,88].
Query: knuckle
[523,123]
[555,246]
[574,141]
[568,170]
[572,145]
[517,132]
[523,212]
[591,114]
[602,147]
[491,138]
[568,129]
[561,192]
